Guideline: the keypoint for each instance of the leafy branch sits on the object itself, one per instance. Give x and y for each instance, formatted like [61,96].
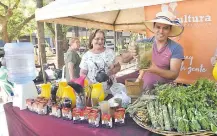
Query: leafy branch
[4,6]
[51,28]
[2,18]
[20,26]
[16,4]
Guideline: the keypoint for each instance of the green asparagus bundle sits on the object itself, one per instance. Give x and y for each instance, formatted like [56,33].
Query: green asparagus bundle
[213,123]
[166,118]
[203,120]
[212,114]
[194,124]
[185,119]
[156,105]
[174,118]
[161,117]
[151,112]
[180,121]
[170,109]
[183,108]
[213,128]
[137,105]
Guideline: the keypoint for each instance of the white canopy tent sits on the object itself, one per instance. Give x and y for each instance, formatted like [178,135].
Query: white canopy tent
[117,15]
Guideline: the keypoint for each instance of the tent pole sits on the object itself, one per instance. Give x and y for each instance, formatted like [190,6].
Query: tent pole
[115,39]
[57,44]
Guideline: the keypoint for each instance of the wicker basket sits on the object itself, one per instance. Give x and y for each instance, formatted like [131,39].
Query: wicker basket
[134,89]
[171,133]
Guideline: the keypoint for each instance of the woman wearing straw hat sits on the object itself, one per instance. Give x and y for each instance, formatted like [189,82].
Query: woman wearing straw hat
[167,55]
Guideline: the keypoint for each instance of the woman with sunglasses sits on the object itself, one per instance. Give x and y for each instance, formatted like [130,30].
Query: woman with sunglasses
[99,59]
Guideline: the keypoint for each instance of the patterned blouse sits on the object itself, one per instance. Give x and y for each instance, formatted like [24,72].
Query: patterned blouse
[95,62]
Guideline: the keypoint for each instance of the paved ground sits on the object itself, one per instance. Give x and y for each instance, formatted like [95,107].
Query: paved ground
[3,123]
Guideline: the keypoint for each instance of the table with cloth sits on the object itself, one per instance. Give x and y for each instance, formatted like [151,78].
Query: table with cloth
[26,123]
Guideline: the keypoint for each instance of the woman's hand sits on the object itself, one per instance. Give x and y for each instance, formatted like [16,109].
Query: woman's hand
[111,70]
[141,74]
[114,68]
[138,80]
[153,68]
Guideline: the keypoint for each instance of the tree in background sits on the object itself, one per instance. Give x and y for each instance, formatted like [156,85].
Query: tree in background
[41,40]
[62,41]
[62,31]
[14,17]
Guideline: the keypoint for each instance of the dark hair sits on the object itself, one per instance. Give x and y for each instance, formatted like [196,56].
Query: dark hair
[92,36]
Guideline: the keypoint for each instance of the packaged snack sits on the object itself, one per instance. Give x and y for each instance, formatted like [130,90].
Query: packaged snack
[42,108]
[78,116]
[67,109]
[107,120]
[38,99]
[67,113]
[29,104]
[56,110]
[86,112]
[50,103]
[66,102]
[94,118]
[35,106]
[119,116]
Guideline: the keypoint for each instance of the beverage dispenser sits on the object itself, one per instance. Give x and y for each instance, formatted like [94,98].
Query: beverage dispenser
[21,71]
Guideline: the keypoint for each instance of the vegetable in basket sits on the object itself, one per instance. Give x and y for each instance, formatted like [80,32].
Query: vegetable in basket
[161,117]
[166,118]
[151,112]
[194,124]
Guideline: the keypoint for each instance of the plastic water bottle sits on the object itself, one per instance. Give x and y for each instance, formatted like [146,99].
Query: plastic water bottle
[20,62]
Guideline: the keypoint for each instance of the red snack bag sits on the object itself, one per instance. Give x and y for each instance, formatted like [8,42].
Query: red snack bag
[67,113]
[107,121]
[86,112]
[56,110]
[78,115]
[29,104]
[119,116]
[94,118]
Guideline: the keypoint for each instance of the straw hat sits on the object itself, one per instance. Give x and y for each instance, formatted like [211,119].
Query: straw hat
[166,18]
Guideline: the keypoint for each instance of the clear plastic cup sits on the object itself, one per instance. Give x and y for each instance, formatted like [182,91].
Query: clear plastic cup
[104,106]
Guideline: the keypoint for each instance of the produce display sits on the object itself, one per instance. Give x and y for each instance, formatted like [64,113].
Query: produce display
[178,108]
